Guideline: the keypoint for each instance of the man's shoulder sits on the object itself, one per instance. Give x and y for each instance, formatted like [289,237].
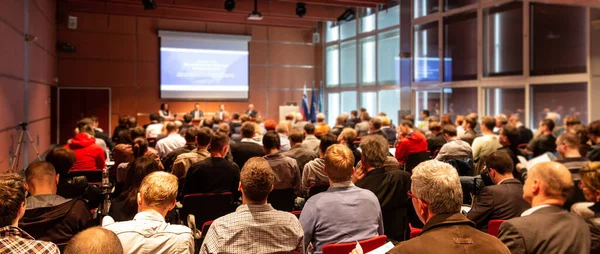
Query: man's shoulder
[140,227]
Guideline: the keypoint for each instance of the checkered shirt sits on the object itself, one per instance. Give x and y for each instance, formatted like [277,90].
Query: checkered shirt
[15,240]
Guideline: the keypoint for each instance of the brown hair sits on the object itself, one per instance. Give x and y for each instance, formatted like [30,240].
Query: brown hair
[499,161]
[12,196]
[62,159]
[339,163]
[257,179]
[296,136]
[218,142]
[590,176]
[247,130]
[570,139]
[489,122]
[205,134]
[139,147]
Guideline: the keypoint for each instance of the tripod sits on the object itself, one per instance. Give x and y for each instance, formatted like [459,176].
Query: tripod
[16,156]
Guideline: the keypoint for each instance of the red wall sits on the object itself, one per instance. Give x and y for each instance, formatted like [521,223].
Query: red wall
[122,52]
[41,63]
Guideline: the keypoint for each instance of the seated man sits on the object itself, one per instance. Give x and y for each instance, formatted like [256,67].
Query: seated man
[88,155]
[546,227]
[255,227]
[339,125]
[437,196]
[282,131]
[310,141]
[321,127]
[594,134]
[509,137]
[545,142]
[469,125]
[171,142]
[501,201]
[455,147]
[287,174]
[344,213]
[185,160]
[94,240]
[409,141]
[313,170]
[148,232]
[187,123]
[388,130]
[190,136]
[375,127]
[48,216]
[435,143]
[247,148]
[154,129]
[214,174]
[12,238]
[390,187]
[298,152]
[489,142]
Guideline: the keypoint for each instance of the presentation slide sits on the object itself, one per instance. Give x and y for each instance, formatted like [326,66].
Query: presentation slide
[204,70]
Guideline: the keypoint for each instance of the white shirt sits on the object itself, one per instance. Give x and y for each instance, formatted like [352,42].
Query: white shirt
[169,144]
[284,143]
[149,233]
[485,145]
[533,209]
[153,130]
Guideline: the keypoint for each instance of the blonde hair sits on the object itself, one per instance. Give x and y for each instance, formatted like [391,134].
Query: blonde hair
[339,163]
[590,176]
[159,189]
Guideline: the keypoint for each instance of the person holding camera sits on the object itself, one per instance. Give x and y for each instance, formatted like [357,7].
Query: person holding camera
[501,201]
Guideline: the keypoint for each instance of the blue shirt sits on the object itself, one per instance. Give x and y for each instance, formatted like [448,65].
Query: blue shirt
[344,213]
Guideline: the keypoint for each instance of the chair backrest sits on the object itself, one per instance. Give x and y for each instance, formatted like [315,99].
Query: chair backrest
[152,142]
[297,213]
[316,189]
[345,248]
[414,159]
[92,175]
[464,166]
[494,227]
[283,199]
[205,227]
[414,232]
[207,206]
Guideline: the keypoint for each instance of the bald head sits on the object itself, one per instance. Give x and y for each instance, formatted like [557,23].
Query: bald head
[95,240]
[41,178]
[548,180]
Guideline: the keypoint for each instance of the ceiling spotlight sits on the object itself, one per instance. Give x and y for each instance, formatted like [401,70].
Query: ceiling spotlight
[301,9]
[229,5]
[348,15]
[149,4]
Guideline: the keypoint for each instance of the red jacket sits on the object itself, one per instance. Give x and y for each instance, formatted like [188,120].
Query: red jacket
[413,143]
[88,155]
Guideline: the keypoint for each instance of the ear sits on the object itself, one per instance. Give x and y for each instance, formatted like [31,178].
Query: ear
[535,187]
[272,187]
[325,170]
[172,205]
[139,199]
[57,178]
[27,187]
[240,187]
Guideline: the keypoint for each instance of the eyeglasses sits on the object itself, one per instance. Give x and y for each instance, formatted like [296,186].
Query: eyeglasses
[410,195]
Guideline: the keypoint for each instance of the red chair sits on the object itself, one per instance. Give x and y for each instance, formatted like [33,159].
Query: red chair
[282,200]
[205,227]
[297,213]
[345,248]
[207,206]
[315,189]
[414,232]
[522,146]
[494,227]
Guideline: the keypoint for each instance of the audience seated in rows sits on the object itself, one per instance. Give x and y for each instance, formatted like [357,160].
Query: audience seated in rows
[454,148]
[390,187]
[124,152]
[255,227]
[154,129]
[96,240]
[525,134]
[125,206]
[187,123]
[388,130]
[546,227]
[509,137]
[544,141]
[590,184]
[285,169]
[436,195]
[190,135]
[100,134]
[424,124]
[501,121]
[594,134]
[344,213]
[584,140]
[313,170]
[487,143]
[437,140]
[12,238]
[139,149]
[347,138]
[298,152]
[300,122]
[247,148]
[375,127]
[88,155]
[311,142]
[214,174]
[171,142]
[353,119]
[339,124]
[469,125]
[501,201]
[50,217]
[282,131]
[321,127]
[409,141]
[185,160]
[362,127]
[148,232]
[72,186]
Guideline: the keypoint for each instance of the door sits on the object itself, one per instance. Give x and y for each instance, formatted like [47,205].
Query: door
[77,103]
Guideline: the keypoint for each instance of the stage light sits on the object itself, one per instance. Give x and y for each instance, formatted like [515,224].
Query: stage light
[229,5]
[348,15]
[301,9]
[149,4]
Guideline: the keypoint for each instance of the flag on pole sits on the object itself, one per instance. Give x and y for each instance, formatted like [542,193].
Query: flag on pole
[320,99]
[313,106]
[305,112]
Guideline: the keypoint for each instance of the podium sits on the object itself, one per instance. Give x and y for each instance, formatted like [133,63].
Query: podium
[284,110]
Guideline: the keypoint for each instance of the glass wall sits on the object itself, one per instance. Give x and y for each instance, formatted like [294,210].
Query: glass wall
[427,100]
[459,101]
[367,20]
[503,40]
[367,63]
[348,66]
[425,7]
[557,101]
[333,107]
[460,47]
[388,57]
[453,4]
[388,17]
[348,101]
[508,101]
[368,100]
[333,66]
[389,104]
[426,64]
[332,32]
[348,29]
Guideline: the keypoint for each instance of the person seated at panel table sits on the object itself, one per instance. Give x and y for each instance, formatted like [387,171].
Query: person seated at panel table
[165,113]
[197,112]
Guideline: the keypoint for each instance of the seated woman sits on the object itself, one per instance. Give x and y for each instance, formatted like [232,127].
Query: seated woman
[124,152]
[139,148]
[124,207]
[590,184]
[164,112]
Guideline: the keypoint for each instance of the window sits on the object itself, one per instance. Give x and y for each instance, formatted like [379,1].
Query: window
[348,69]
[453,4]
[427,100]
[558,39]
[558,101]
[426,64]
[388,58]
[333,66]
[368,100]
[460,47]
[367,20]
[348,101]
[459,101]
[389,103]
[503,40]
[388,17]
[333,107]
[332,32]
[348,29]
[425,7]
[508,101]
[367,61]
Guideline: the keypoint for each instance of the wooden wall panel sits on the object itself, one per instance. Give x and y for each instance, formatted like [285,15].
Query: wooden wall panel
[258,52]
[290,35]
[12,12]
[11,102]
[11,51]
[291,77]
[99,45]
[39,101]
[292,54]
[95,73]
[42,65]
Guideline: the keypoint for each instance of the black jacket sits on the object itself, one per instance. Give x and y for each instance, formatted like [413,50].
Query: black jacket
[525,134]
[59,223]
[594,224]
[435,143]
[594,154]
[79,187]
[243,151]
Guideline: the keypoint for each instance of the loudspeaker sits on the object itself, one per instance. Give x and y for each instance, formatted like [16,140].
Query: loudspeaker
[149,4]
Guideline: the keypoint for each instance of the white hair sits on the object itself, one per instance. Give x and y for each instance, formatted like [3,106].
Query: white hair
[438,184]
